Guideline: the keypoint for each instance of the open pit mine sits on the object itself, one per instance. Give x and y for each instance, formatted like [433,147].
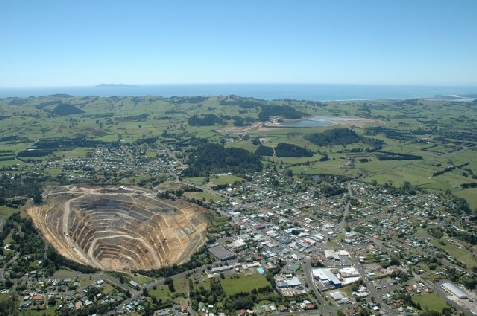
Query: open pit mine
[117,228]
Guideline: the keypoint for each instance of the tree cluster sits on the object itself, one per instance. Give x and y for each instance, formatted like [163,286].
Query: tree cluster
[205,120]
[63,109]
[264,151]
[239,121]
[68,143]
[336,136]
[198,259]
[20,185]
[56,260]
[387,155]
[285,111]
[449,169]
[170,284]
[214,158]
[330,190]
[290,150]
[132,118]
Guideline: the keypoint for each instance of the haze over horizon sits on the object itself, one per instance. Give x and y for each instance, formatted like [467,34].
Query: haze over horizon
[370,42]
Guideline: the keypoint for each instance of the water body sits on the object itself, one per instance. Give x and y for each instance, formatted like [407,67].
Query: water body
[328,118]
[313,121]
[304,123]
[260,91]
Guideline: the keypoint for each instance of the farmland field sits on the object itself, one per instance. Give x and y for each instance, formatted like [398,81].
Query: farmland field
[438,134]
[247,283]
[430,302]
[139,184]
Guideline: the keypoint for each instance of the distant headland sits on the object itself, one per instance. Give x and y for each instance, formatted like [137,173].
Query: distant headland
[110,85]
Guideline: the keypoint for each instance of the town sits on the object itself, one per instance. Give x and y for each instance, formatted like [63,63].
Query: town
[238,158]
[366,249]
[312,234]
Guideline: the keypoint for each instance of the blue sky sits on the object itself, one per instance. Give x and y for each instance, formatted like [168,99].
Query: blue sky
[77,43]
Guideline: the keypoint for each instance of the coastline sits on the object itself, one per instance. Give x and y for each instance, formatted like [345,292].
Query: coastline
[330,121]
[269,92]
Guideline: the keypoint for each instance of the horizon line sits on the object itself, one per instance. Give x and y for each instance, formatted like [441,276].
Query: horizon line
[125,85]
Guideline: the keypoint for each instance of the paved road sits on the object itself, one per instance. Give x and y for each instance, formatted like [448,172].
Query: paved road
[342,224]
[2,270]
[311,282]
[111,279]
[369,285]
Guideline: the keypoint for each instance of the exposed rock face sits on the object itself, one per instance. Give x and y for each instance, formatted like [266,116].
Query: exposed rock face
[119,229]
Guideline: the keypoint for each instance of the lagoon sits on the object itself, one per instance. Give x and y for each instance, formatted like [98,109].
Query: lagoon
[313,121]
[304,123]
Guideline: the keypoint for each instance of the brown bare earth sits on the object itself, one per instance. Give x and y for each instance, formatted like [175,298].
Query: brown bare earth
[240,130]
[119,228]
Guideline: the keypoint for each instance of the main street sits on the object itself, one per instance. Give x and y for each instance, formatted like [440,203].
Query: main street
[311,282]
[369,285]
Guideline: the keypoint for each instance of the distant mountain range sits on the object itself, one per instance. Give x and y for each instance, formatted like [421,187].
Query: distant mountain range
[109,85]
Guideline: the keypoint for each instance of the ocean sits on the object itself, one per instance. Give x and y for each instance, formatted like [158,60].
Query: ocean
[259,91]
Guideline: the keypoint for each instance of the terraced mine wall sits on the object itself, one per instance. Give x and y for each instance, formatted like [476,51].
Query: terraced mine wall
[120,229]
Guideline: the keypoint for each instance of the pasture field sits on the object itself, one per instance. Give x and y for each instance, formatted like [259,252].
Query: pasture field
[225,179]
[181,285]
[194,179]
[203,281]
[246,283]
[469,195]
[4,297]
[162,291]
[84,281]
[461,254]
[247,145]
[347,290]
[442,133]
[40,312]
[333,244]
[430,276]
[430,302]
[107,288]
[140,279]
[76,153]
[297,160]
[6,212]
[334,166]
[61,274]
